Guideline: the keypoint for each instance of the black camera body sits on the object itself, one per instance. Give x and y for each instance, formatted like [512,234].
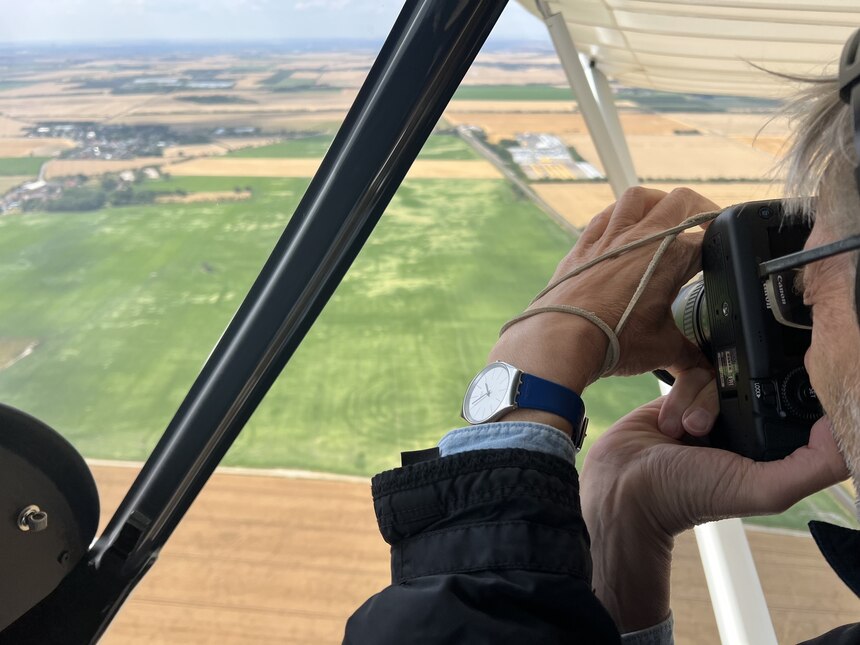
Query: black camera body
[767,405]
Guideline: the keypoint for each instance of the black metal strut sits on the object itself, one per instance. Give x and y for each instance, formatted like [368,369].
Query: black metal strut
[421,64]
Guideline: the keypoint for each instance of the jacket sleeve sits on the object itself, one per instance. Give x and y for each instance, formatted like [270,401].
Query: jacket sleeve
[487,546]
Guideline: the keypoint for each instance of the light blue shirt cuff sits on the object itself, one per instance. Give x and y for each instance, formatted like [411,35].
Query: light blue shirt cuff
[660,634]
[509,434]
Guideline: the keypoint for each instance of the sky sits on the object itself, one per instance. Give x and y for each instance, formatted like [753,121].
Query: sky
[113,21]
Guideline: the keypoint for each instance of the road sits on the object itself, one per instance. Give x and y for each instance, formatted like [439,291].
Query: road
[489,154]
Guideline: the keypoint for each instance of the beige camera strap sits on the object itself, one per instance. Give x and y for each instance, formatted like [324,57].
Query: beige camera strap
[613,352]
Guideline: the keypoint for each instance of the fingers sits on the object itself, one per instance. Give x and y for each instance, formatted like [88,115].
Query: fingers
[691,406]
[632,207]
[677,206]
[597,226]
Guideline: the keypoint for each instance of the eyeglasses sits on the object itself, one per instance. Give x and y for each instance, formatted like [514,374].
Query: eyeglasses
[784,298]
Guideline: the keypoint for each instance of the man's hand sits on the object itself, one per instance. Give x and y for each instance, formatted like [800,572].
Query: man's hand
[569,350]
[641,487]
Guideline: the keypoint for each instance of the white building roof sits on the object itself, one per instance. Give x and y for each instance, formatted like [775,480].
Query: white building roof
[706,47]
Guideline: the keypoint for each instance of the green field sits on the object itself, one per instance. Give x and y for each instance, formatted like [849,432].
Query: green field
[12,166]
[513,93]
[438,146]
[126,303]
[283,81]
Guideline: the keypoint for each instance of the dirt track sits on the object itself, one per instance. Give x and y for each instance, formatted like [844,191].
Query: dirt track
[272,559]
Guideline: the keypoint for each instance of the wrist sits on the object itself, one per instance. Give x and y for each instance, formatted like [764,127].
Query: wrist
[561,348]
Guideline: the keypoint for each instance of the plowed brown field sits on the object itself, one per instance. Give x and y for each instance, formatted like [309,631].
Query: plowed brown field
[278,559]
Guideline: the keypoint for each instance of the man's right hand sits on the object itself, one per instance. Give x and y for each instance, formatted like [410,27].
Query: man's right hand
[641,486]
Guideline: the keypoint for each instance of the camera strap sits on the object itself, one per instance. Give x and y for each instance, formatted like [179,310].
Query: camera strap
[613,352]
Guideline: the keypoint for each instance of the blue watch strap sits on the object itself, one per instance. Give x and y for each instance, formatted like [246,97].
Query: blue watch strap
[539,394]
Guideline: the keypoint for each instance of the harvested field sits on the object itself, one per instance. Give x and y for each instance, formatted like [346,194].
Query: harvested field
[250,81]
[263,103]
[33,147]
[11,127]
[481,73]
[679,158]
[70,107]
[7,183]
[311,121]
[89,167]
[463,110]
[211,196]
[48,88]
[579,202]
[731,124]
[228,577]
[564,123]
[285,167]
[344,78]
[775,146]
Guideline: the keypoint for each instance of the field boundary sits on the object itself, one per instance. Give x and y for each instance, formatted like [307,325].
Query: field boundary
[283,473]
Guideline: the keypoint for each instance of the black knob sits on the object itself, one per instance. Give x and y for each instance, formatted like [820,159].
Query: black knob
[798,397]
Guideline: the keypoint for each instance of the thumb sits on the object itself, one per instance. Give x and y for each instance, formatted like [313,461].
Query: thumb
[807,470]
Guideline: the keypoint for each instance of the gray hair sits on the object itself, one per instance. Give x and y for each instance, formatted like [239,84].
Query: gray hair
[821,158]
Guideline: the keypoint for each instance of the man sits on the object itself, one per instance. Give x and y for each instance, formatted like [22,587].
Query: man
[489,539]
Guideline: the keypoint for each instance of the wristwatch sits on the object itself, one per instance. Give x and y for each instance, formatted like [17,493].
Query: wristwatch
[500,388]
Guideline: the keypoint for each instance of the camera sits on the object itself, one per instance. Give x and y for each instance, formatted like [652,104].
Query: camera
[767,404]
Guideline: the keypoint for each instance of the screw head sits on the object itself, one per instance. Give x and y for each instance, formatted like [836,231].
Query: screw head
[765,212]
[32,518]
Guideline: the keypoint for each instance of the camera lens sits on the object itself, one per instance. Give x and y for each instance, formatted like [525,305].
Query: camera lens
[690,311]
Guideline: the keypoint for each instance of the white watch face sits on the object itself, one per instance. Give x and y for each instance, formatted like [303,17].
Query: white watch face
[487,394]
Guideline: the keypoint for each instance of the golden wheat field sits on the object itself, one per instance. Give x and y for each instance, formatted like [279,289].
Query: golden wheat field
[33,147]
[498,124]
[700,157]
[579,202]
[286,167]
[227,578]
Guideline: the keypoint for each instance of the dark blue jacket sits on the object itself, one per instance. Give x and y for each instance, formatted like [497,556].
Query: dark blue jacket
[489,547]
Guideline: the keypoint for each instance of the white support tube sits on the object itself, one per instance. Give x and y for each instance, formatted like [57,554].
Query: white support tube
[736,594]
[606,100]
[600,115]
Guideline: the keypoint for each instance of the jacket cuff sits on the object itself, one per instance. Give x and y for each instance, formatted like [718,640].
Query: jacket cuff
[482,510]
